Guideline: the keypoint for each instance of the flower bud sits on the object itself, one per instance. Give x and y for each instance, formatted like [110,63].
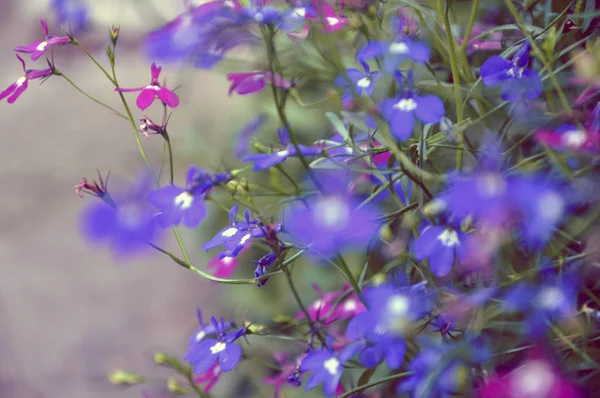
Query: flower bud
[175,387]
[161,359]
[114,34]
[109,52]
[122,377]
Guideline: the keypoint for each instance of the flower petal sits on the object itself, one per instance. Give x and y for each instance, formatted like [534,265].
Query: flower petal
[168,97]
[229,357]
[402,125]
[493,71]
[146,98]
[430,109]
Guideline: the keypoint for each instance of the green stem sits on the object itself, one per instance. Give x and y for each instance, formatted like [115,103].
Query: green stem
[116,112]
[474,8]
[112,79]
[346,270]
[364,387]
[170,149]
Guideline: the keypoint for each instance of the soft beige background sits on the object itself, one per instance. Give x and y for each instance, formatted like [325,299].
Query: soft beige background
[68,314]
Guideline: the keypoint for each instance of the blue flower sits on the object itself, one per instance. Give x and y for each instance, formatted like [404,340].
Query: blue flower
[554,300]
[263,161]
[125,219]
[395,52]
[177,204]
[326,366]
[442,246]
[332,221]
[517,80]
[260,13]
[262,266]
[400,112]
[243,141]
[357,81]
[202,356]
[205,330]
[72,13]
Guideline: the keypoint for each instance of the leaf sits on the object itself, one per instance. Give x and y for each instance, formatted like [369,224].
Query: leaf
[338,125]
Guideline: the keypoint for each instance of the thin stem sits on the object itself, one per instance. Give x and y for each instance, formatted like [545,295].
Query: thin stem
[112,79]
[474,8]
[170,149]
[364,387]
[346,270]
[116,112]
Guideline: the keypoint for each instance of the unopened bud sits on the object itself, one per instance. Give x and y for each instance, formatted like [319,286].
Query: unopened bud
[175,387]
[256,328]
[434,207]
[109,52]
[385,232]
[161,359]
[114,34]
[122,377]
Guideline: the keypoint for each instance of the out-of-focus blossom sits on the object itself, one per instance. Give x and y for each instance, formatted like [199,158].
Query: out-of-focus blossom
[72,13]
[492,41]
[210,377]
[568,137]
[254,82]
[442,246]
[328,308]
[289,374]
[326,14]
[394,53]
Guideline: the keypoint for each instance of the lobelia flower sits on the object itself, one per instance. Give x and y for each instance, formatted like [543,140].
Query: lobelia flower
[243,141]
[72,13]
[263,161]
[222,350]
[326,366]
[222,267]
[400,112]
[37,48]
[395,53]
[153,90]
[254,82]
[177,204]
[535,377]
[210,377]
[326,14]
[442,246]
[259,12]
[289,374]
[262,267]
[568,137]
[493,41]
[97,189]
[294,21]
[204,330]
[332,221]
[357,81]
[554,300]
[518,82]
[328,309]
[125,219]
[14,91]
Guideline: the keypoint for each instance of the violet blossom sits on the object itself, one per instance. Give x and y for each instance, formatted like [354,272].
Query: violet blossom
[37,48]
[253,82]
[14,91]
[153,90]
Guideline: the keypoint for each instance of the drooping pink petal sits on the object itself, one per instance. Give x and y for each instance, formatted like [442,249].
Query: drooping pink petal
[20,89]
[44,26]
[168,97]
[9,90]
[31,48]
[146,98]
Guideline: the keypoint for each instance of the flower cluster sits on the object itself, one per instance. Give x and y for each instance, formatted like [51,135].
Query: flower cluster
[448,221]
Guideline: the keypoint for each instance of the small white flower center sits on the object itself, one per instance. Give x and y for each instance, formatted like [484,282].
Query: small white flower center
[227,260]
[406,105]
[449,238]
[331,212]
[200,335]
[349,305]
[259,17]
[21,80]
[283,153]
[364,82]
[551,206]
[399,48]
[332,21]
[318,304]
[535,379]
[217,348]
[184,200]
[332,365]
[550,298]
[42,46]
[229,232]
[245,238]
[574,138]
[398,305]
[491,185]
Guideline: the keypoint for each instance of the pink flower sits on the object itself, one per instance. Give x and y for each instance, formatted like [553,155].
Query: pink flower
[492,41]
[17,88]
[289,374]
[327,15]
[536,378]
[154,89]
[328,306]
[210,377]
[253,82]
[223,267]
[37,48]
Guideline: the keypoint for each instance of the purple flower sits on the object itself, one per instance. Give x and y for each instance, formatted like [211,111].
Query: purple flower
[442,246]
[264,161]
[326,366]
[207,352]
[554,300]
[153,90]
[295,21]
[205,330]
[253,82]
[243,141]
[262,267]
[72,13]
[37,48]
[332,221]
[289,374]
[400,112]
[517,80]
[394,53]
[17,88]
[126,220]
[357,81]
[177,204]
[260,13]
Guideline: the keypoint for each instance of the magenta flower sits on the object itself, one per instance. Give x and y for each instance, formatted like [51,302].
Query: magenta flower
[17,88]
[222,267]
[154,89]
[329,308]
[210,377]
[37,48]
[289,374]
[493,41]
[254,82]
[326,14]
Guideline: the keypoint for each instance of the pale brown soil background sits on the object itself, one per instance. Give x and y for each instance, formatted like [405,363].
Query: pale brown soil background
[68,314]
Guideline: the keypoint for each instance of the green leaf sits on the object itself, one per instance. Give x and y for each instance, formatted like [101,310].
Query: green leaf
[338,125]
[366,376]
